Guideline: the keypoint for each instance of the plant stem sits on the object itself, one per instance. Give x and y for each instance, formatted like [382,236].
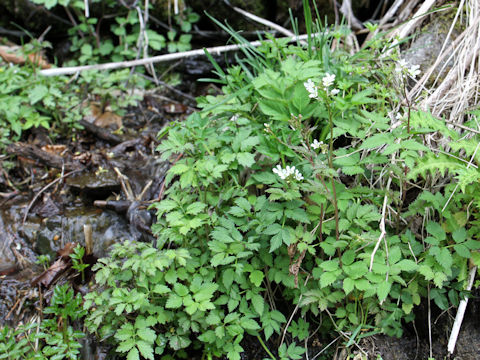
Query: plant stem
[266,348]
[330,164]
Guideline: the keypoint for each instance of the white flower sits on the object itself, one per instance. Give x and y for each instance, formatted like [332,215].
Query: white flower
[402,64]
[316,144]
[288,171]
[328,80]
[334,92]
[298,175]
[414,71]
[311,88]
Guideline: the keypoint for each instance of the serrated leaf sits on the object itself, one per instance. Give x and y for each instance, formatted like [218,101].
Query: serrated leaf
[383,289]
[237,211]
[195,208]
[227,278]
[246,159]
[206,292]
[173,302]
[249,324]
[462,250]
[275,242]
[161,289]
[444,258]
[407,265]
[181,289]
[377,140]
[459,235]
[37,93]
[327,278]
[298,214]
[348,285]
[126,345]
[133,354]
[256,277]
[258,303]
[213,318]
[436,230]
[147,334]
[348,257]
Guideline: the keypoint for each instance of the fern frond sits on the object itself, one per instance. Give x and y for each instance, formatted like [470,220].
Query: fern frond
[433,164]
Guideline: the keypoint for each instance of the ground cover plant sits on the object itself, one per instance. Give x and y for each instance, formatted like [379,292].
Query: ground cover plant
[300,201]
[112,32]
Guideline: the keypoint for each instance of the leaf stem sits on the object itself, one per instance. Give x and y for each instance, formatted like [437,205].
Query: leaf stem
[266,348]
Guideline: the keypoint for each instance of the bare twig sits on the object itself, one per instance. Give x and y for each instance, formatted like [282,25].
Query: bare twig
[293,313]
[382,224]
[461,312]
[160,58]
[42,190]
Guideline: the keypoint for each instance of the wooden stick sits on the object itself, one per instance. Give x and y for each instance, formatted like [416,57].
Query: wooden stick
[460,313]
[160,58]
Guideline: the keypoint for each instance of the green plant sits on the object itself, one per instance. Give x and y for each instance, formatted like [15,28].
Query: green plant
[28,100]
[77,260]
[52,338]
[127,37]
[44,260]
[291,187]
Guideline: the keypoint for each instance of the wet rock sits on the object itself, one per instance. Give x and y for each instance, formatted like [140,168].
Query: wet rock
[426,47]
[98,184]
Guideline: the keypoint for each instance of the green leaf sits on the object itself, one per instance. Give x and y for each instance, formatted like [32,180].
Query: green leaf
[246,159]
[459,235]
[228,276]
[258,303]
[133,354]
[275,242]
[147,334]
[37,94]
[195,208]
[383,289]
[436,230]
[348,257]
[126,345]
[146,349]
[256,277]
[348,285]
[377,141]
[327,278]
[249,324]
[407,265]
[444,258]
[462,250]
[174,301]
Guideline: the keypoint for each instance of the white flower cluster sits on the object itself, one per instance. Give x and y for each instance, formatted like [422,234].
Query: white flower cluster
[412,71]
[316,144]
[288,171]
[327,81]
[311,88]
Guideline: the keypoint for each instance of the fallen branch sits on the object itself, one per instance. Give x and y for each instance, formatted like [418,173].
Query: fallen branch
[460,313]
[44,157]
[160,58]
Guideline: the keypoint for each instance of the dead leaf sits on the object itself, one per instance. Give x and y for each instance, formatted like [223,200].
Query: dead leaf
[14,54]
[53,272]
[174,108]
[54,149]
[67,250]
[104,117]
[107,119]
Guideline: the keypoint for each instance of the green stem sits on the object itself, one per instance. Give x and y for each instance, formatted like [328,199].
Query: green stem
[330,164]
[265,348]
